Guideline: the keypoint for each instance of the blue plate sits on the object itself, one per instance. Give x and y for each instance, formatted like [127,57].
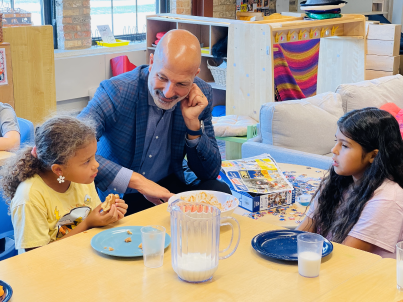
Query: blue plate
[115,238]
[282,244]
[8,292]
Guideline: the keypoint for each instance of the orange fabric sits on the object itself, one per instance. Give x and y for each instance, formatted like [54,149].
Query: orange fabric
[396,112]
[392,108]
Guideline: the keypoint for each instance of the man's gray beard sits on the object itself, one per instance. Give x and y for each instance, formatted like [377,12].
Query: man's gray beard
[160,103]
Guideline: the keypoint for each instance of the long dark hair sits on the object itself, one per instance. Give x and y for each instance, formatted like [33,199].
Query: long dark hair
[56,141]
[373,129]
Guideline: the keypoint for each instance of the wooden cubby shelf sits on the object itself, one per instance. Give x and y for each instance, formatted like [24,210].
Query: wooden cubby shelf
[250,75]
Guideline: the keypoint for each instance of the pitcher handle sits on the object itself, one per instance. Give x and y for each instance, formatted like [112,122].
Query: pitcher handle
[231,221]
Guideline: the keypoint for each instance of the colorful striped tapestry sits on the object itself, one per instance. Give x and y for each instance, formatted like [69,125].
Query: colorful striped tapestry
[296,69]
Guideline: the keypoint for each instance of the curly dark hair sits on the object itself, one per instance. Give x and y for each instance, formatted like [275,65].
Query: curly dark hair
[56,141]
[373,129]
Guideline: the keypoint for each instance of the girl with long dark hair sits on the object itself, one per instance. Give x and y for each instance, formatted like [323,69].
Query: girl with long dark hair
[360,201]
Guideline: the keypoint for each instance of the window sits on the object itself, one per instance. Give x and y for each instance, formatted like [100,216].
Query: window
[123,16]
[30,6]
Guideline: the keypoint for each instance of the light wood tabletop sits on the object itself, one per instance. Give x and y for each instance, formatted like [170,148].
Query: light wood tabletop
[70,270]
[308,173]
[4,155]
[377,283]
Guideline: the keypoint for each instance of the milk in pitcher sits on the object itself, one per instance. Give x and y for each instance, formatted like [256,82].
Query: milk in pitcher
[195,267]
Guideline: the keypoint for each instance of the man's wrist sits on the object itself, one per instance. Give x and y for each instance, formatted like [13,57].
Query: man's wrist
[134,180]
[193,125]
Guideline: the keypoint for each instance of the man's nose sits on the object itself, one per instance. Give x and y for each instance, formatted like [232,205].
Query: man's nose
[169,91]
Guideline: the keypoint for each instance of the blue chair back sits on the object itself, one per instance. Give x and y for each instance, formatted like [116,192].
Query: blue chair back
[9,245]
[27,137]
[5,219]
[6,232]
[27,131]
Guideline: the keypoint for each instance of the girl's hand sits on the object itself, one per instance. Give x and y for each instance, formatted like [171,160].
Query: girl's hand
[121,206]
[97,218]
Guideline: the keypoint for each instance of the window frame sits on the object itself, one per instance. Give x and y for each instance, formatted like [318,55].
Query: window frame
[48,17]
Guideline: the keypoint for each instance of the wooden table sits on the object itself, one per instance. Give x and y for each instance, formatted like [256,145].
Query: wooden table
[289,224]
[70,270]
[377,283]
[4,155]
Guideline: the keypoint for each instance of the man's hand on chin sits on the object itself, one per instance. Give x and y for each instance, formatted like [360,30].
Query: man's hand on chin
[191,107]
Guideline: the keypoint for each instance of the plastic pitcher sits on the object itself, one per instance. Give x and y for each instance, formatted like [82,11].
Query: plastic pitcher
[195,235]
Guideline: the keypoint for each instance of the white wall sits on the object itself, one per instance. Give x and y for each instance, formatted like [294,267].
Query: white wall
[76,74]
[397,14]
[73,106]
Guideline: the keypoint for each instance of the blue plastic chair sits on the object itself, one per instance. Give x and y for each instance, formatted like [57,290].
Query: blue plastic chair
[27,131]
[6,226]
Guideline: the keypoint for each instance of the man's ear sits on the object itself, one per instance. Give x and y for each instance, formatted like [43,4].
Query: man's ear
[198,70]
[373,155]
[151,62]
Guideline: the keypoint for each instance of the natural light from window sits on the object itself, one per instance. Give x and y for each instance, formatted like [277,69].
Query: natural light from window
[124,15]
[31,6]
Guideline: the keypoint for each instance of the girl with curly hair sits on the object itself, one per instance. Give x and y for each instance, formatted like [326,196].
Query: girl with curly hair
[360,202]
[51,185]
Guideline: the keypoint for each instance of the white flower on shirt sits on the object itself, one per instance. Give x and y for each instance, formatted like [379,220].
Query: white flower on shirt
[87,199]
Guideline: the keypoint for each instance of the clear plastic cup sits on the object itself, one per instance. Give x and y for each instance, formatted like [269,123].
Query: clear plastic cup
[309,254]
[399,265]
[153,240]
[304,200]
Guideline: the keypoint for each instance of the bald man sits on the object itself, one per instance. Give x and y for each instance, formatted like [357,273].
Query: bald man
[148,120]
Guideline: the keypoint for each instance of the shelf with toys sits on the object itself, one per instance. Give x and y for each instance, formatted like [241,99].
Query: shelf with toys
[208,30]
[250,75]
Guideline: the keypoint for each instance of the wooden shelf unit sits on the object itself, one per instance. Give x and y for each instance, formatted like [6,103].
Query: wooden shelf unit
[250,75]
[208,30]
[33,71]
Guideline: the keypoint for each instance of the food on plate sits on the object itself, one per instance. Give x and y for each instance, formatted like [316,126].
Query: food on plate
[1,291]
[111,249]
[128,239]
[203,197]
[109,201]
[130,233]
[140,246]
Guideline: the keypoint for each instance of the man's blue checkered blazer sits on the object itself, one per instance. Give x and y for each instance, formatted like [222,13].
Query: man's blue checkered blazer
[120,111]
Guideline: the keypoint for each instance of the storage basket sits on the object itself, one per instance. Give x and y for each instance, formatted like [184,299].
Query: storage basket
[219,74]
